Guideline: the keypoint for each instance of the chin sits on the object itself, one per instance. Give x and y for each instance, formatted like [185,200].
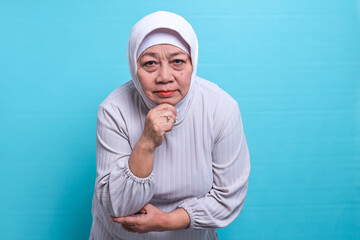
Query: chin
[168,101]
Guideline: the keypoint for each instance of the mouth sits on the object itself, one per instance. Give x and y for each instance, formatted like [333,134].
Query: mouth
[165,93]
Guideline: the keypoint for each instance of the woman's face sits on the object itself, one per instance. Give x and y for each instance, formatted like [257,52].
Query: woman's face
[164,72]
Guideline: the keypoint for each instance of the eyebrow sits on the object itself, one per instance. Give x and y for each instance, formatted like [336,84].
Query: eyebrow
[155,55]
[149,54]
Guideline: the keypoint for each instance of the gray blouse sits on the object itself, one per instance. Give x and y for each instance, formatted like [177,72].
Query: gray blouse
[203,164]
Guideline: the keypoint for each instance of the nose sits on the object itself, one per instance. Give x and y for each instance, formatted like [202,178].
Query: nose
[165,74]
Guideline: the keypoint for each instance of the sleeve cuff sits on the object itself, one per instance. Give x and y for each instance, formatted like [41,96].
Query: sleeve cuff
[131,175]
[190,211]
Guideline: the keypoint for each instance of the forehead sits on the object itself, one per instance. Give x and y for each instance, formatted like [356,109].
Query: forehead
[160,49]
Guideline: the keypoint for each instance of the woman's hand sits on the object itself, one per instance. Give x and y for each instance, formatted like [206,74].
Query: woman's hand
[159,120]
[150,219]
[153,219]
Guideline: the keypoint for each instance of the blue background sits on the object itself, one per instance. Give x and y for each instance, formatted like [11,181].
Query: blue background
[293,66]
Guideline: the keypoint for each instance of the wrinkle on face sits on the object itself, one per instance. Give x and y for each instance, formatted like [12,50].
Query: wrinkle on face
[164,73]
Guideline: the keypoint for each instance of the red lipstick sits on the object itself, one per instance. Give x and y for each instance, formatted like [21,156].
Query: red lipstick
[165,93]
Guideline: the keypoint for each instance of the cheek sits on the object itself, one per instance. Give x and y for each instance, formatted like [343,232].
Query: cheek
[145,80]
[185,81]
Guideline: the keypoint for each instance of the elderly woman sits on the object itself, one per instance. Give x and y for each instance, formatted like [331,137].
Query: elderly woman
[172,158]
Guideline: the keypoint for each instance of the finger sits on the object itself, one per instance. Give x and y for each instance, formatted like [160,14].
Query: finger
[148,205]
[170,124]
[117,219]
[128,228]
[166,106]
[159,116]
[164,117]
[149,208]
[142,211]
[167,125]
[170,117]
[159,113]
[130,221]
[166,114]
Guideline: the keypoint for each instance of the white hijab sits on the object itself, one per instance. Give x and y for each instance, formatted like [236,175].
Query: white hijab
[148,24]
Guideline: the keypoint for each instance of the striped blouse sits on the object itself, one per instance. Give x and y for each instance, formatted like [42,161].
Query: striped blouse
[202,166]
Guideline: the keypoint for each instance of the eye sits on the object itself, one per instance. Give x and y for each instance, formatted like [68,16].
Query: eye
[178,61]
[149,63]
[150,66]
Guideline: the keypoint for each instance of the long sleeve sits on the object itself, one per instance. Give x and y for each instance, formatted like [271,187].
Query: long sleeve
[118,190]
[231,169]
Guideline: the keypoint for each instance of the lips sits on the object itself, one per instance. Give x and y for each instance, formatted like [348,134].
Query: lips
[165,93]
